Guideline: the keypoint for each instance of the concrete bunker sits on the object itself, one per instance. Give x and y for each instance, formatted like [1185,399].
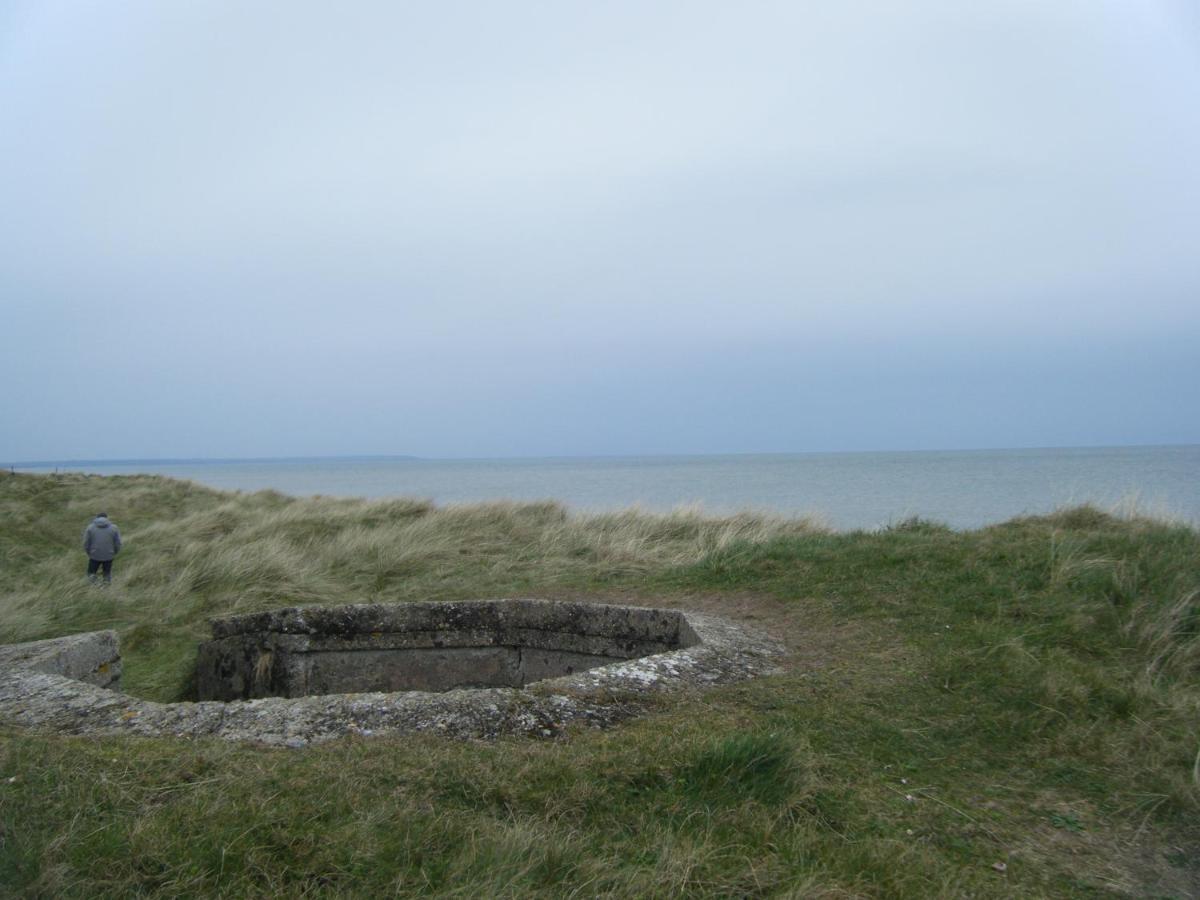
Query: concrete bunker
[478,670]
[436,647]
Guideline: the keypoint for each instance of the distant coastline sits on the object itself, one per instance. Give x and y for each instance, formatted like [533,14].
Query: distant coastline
[202,460]
[387,457]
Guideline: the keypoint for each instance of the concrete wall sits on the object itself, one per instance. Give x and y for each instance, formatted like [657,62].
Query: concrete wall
[354,671]
[40,689]
[424,646]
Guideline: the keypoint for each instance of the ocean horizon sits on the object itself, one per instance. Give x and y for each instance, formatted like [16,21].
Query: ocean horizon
[847,490]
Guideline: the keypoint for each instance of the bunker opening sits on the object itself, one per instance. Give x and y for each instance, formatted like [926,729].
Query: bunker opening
[431,647]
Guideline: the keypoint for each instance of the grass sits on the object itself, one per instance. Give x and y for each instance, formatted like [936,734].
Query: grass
[1024,694]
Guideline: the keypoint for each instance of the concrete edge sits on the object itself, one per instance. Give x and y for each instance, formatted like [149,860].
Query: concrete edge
[53,686]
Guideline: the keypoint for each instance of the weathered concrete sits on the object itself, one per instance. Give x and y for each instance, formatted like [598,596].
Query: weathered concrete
[94,658]
[424,646]
[41,686]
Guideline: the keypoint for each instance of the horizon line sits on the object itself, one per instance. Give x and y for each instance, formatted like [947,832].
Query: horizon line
[233,460]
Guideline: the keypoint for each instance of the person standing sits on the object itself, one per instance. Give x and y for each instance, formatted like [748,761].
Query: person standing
[101,542]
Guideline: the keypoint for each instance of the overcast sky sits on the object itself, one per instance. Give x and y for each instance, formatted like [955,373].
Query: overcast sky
[544,228]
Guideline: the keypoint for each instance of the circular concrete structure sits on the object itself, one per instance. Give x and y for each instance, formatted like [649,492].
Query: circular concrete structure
[437,647]
[478,669]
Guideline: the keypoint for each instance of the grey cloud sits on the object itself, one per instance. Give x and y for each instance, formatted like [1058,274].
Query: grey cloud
[464,229]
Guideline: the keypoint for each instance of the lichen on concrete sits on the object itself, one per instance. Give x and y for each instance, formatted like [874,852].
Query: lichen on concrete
[67,684]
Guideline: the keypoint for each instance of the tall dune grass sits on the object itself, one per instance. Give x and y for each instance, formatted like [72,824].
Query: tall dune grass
[191,553]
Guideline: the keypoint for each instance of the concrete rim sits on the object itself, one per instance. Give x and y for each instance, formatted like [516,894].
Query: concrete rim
[56,685]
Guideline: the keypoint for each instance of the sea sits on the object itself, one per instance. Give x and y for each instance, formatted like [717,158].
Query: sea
[961,488]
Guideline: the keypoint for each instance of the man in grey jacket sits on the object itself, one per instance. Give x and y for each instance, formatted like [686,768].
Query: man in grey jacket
[101,542]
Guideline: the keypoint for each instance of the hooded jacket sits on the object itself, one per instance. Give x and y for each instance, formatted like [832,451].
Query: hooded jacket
[101,539]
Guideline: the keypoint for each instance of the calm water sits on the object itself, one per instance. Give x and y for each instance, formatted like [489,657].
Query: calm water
[848,490]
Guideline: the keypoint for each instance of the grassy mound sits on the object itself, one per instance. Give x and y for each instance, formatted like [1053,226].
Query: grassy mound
[1004,712]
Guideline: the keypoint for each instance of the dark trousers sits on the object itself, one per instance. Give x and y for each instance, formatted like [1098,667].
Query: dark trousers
[103,564]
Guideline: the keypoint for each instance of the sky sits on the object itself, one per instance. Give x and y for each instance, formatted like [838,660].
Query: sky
[471,229]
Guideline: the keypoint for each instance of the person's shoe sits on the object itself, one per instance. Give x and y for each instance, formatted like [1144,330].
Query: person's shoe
[93,580]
